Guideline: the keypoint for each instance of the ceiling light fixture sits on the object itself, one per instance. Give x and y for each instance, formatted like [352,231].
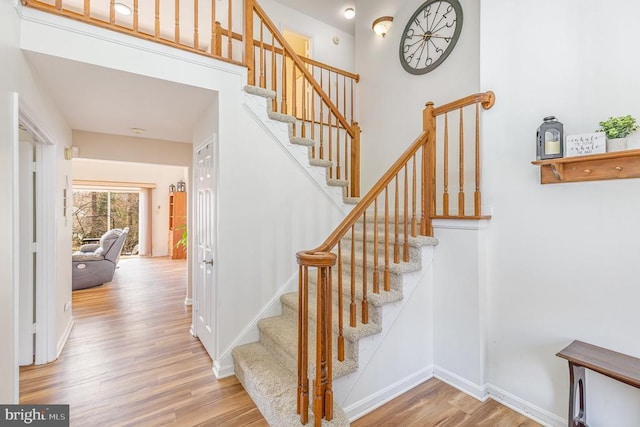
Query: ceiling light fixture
[349,13]
[122,9]
[382,25]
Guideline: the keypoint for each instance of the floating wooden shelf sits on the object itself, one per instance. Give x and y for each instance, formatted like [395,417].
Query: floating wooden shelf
[594,167]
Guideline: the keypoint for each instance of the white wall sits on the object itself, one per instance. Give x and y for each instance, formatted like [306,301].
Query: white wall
[161,175]
[562,258]
[389,100]
[15,76]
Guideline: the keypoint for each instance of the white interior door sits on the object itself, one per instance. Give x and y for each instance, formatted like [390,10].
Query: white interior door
[26,275]
[203,239]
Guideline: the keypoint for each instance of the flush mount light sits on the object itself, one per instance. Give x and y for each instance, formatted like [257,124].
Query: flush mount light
[349,13]
[122,9]
[382,25]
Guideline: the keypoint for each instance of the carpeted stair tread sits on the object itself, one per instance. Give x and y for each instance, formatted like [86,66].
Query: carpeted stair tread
[302,141]
[286,118]
[279,335]
[375,299]
[321,162]
[256,90]
[351,200]
[273,388]
[333,182]
[416,242]
[352,334]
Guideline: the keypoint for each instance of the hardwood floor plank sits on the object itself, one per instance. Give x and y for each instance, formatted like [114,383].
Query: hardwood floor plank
[131,361]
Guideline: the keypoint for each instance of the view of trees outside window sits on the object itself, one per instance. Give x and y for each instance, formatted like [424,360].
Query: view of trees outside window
[96,212]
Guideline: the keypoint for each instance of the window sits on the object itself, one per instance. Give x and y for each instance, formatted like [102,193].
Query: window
[97,211]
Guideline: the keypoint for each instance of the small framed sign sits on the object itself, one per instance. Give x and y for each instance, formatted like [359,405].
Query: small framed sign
[586,143]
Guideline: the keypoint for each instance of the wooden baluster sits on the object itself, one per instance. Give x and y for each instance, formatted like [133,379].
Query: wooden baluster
[136,14]
[58,6]
[477,198]
[249,49]
[283,101]
[461,166]
[112,10]
[303,96]
[428,171]
[344,95]
[248,37]
[263,82]
[405,247]
[355,161]
[321,361]
[365,302]
[313,122]
[218,39]
[352,307]
[414,221]
[445,194]
[87,10]
[321,120]
[330,130]
[196,37]
[387,285]
[328,327]
[376,273]
[303,345]
[294,96]
[177,26]
[157,20]
[345,167]
[396,240]
[274,72]
[338,150]
[340,299]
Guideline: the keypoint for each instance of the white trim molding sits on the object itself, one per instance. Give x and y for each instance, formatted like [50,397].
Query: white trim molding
[525,408]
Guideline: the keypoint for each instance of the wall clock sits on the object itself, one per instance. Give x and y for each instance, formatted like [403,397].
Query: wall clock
[430,35]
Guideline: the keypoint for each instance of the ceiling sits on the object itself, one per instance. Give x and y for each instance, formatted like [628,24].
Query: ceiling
[98,99]
[328,11]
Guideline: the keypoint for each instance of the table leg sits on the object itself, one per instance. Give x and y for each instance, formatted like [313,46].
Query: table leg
[577,386]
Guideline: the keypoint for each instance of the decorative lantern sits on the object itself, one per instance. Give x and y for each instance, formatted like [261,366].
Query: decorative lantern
[181,186]
[549,139]
[172,188]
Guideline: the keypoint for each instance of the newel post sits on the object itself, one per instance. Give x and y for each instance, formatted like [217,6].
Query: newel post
[248,41]
[428,201]
[355,161]
[322,386]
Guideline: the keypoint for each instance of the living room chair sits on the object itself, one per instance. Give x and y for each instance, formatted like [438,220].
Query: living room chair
[95,264]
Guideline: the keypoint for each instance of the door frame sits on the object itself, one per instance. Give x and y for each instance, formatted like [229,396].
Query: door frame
[45,268]
[192,255]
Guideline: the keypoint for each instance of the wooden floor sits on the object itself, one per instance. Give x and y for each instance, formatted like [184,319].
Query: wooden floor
[130,361]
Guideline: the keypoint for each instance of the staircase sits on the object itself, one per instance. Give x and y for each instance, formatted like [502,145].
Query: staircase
[267,368]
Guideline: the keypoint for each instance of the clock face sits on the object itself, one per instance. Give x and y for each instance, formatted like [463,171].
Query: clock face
[430,35]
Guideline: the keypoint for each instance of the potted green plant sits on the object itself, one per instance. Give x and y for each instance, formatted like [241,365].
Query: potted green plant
[617,129]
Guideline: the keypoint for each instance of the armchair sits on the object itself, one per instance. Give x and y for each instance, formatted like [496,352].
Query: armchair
[95,264]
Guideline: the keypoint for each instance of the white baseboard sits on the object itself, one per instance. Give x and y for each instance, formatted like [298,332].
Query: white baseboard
[363,407]
[222,371]
[537,414]
[65,336]
[490,391]
[462,384]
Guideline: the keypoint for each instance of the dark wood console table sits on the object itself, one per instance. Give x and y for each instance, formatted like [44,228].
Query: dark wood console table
[614,365]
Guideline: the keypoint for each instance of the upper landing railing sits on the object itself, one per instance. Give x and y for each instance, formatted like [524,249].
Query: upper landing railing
[319,96]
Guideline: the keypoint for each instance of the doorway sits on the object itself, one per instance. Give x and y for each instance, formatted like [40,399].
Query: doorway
[302,47]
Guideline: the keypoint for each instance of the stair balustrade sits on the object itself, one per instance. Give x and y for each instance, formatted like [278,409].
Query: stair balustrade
[319,96]
[399,207]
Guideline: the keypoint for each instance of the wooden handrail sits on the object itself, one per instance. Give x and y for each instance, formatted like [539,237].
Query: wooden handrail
[300,65]
[399,219]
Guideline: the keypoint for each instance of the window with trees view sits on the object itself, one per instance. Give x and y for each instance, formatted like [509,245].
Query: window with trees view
[96,212]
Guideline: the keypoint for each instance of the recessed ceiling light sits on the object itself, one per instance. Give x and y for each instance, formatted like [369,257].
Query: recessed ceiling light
[349,13]
[122,9]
